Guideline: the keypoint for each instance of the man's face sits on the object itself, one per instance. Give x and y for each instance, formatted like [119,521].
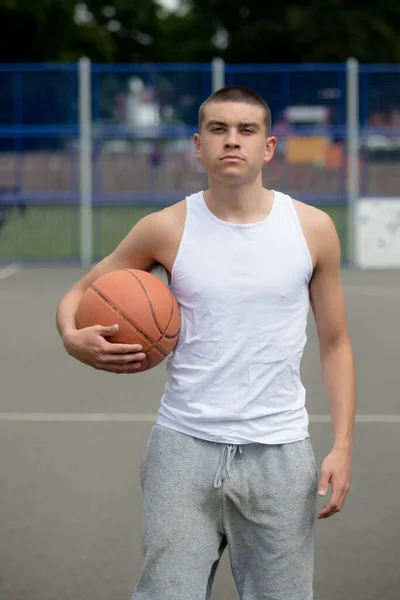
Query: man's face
[233,144]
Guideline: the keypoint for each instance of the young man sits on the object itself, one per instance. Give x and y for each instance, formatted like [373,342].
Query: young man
[229,461]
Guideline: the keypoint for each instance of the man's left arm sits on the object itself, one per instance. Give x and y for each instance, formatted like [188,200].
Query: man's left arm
[337,362]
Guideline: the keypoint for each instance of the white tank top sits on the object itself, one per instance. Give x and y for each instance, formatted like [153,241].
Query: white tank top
[243,293]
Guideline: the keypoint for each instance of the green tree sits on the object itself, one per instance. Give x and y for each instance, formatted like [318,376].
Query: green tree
[240,31]
[54,30]
[316,30]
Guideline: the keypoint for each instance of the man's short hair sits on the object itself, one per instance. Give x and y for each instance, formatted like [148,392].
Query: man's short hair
[237,93]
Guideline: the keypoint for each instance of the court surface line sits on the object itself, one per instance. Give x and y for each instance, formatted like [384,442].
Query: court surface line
[379,291]
[12,269]
[152,417]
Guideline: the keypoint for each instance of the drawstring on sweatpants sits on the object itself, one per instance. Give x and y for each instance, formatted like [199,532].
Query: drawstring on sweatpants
[227,455]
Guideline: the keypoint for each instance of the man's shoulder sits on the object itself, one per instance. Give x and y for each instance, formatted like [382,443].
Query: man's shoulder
[174,214]
[319,231]
[166,219]
[313,219]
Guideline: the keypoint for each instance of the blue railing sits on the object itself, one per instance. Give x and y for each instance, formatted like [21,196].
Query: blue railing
[144,117]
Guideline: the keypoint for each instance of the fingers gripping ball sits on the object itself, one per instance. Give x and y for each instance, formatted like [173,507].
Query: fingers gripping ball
[144,308]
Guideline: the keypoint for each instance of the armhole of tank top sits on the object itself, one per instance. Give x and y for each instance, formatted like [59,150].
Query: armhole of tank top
[177,257]
[302,235]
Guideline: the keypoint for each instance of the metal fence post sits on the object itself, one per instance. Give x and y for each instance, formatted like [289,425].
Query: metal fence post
[85,161]
[218,74]
[353,151]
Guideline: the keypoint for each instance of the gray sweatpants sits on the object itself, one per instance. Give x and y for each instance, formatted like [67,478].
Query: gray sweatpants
[199,497]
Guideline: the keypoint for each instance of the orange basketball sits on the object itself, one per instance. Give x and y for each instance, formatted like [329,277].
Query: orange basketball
[141,304]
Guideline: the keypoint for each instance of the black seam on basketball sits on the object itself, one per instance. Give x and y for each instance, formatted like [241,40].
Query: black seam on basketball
[154,344]
[171,336]
[163,334]
[148,298]
[170,315]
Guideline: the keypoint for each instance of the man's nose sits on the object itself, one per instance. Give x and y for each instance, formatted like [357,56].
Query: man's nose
[232,140]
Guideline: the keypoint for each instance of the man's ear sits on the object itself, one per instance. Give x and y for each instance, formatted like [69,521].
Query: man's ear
[197,145]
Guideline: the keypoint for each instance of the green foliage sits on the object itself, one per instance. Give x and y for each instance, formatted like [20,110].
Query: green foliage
[237,30]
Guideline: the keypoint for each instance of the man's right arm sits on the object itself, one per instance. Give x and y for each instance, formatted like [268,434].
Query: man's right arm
[138,250]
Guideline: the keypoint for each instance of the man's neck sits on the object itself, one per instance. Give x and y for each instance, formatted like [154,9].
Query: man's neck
[246,203]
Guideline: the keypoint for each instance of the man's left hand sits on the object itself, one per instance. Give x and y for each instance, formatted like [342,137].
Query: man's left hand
[336,471]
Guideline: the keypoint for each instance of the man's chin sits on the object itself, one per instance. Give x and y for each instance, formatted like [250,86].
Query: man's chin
[230,178]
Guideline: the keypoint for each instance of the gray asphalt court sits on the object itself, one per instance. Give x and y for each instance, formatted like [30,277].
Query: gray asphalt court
[71,443]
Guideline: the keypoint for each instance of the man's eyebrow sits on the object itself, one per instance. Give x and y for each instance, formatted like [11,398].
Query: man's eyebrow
[250,124]
[213,122]
[254,125]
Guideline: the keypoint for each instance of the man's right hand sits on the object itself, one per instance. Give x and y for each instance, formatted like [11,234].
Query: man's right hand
[90,347]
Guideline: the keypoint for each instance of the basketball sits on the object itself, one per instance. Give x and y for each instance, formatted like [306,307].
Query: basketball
[142,305]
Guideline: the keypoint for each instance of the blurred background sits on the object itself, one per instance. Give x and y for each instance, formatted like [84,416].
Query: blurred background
[98,107]
[99,101]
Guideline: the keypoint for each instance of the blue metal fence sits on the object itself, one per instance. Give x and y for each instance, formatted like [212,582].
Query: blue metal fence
[380,130]
[144,117]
